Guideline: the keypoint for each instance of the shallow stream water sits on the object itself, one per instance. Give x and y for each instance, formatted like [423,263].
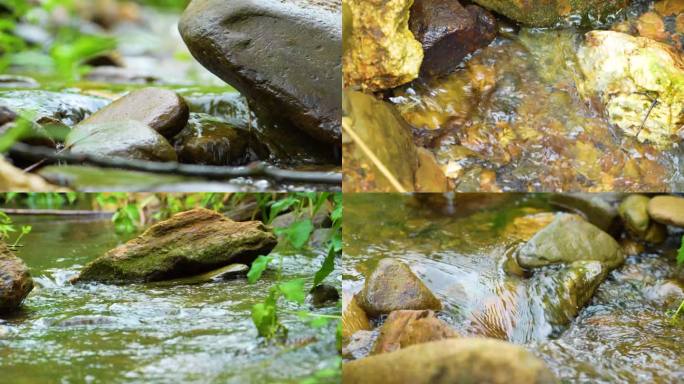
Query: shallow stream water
[145,333]
[459,247]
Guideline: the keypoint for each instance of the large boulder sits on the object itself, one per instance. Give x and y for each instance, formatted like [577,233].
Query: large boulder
[162,110]
[284,55]
[546,13]
[464,360]
[15,280]
[188,243]
[567,239]
[128,139]
[639,81]
[380,52]
[406,328]
[393,286]
[448,32]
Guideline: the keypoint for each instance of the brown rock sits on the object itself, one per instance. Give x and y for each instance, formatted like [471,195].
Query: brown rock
[449,32]
[162,110]
[15,280]
[187,244]
[462,360]
[405,328]
[393,286]
[354,319]
[667,210]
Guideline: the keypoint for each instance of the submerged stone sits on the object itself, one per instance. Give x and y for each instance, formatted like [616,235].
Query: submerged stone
[449,32]
[15,280]
[567,239]
[123,138]
[162,110]
[380,52]
[640,83]
[284,55]
[461,360]
[550,12]
[188,243]
[393,286]
[68,108]
[405,328]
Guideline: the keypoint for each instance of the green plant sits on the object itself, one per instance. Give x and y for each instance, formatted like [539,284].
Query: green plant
[265,314]
[680,261]
[7,227]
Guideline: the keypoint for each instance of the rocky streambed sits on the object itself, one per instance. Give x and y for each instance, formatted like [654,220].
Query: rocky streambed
[576,288]
[150,101]
[557,95]
[170,304]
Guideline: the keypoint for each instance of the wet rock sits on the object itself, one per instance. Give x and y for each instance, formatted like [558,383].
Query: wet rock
[118,75]
[14,81]
[598,209]
[6,116]
[206,140]
[89,178]
[462,360]
[188,243]
[14,179]
[429,175]
[405,328]
[160,109]
[231,271]
[123,138]
[639,81]
[68,108]
[634,212]
[393,286]
[320,220]
[320,237]
[380,52]
[523,228]
[564,293]
[380,130]
[567,239]
[358,345]
[290,71]
[354,319]
[667,210]
[668,292]
[323,294]
[449,32]
[15,280]
[550,12]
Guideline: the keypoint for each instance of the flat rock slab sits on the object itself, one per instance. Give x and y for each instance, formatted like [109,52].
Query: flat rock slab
[284,55]
[128,139]
[187,244]
[465,360]
[162,110]
[15,280]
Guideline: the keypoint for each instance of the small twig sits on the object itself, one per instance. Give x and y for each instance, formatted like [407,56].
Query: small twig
[648,113]
[256,169]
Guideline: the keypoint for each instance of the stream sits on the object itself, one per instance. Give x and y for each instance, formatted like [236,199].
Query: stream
[458,249]
[145,333]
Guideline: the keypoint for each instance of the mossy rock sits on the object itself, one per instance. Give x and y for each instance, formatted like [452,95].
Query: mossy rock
[187,244]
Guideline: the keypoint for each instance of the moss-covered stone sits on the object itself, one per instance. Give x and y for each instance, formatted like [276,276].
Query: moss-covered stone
[567,239]
[15,280]
[379,52]
[639,81]
[462,360]
[545,13]
[188,243]
[393,286]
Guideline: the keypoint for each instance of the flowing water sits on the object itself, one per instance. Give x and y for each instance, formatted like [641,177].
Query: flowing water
[145,333]
[513,111]
[459,249]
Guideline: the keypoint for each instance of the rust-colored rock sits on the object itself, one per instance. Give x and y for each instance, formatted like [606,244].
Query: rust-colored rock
[405,328]
[449,32]
[15,280]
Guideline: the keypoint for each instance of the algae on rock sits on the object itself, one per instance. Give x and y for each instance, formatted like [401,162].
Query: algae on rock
[380,52]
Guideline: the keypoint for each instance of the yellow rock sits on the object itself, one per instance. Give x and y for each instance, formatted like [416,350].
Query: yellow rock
[354,319]
[639,81]
[15,180]
[380,52]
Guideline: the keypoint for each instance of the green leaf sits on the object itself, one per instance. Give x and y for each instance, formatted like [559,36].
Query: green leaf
[336,214]
[280,206]
[258,267]
[293,290]
[265,317]
[327,267]
[680,254]
[298,233]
